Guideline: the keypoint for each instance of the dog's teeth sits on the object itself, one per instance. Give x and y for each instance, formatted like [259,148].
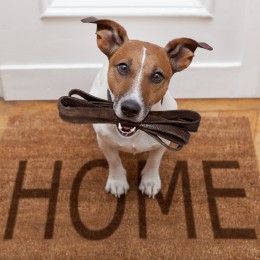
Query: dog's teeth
[132,130]
[126,130]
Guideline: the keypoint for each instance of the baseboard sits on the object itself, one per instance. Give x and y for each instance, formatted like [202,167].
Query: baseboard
[49,82]
[46,82]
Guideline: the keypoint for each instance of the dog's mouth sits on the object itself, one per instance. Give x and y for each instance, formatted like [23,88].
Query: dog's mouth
[126,130]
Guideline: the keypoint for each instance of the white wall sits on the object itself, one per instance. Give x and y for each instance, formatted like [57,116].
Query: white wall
[45,50]
[1,88]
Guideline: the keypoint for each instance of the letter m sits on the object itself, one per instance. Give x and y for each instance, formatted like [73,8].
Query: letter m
[180,170]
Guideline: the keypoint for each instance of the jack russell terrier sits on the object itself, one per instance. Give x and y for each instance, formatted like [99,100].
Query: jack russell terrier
[136,79]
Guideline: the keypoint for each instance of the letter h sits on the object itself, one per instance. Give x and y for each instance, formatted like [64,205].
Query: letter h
[20,193]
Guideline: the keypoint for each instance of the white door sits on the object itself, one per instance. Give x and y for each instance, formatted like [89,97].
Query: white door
[45,50]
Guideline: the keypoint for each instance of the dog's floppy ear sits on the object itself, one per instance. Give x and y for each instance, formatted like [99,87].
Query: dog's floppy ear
[110,35]
[181,52]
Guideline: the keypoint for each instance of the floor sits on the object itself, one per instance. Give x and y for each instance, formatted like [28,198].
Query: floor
[249,108]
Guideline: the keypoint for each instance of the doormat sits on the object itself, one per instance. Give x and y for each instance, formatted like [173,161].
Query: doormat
[53,204]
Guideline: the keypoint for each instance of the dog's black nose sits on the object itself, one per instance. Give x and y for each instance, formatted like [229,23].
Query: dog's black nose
[130,108]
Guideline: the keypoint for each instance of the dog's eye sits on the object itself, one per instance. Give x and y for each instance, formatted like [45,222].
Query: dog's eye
[157,77]
[122,68]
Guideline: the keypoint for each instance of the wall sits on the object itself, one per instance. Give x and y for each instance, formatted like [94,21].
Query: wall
[1,88]
[45,50]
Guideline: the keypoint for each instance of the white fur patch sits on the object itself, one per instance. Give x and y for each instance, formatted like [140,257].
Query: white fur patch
[139,76]
[135,91]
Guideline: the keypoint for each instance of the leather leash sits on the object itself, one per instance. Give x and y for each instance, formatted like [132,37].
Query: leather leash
[172,125]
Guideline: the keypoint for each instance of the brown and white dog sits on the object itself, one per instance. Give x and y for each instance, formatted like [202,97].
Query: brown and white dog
[137,77]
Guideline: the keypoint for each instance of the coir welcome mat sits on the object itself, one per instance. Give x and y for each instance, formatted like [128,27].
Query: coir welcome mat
[53,204]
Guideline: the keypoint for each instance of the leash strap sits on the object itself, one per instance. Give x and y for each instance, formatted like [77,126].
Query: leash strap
[172,125]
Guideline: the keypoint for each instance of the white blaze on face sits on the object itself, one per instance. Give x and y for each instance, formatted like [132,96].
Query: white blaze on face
[139,76]
[135,92]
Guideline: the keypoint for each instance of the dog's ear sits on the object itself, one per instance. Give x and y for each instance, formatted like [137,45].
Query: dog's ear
[110,35]
[181,52]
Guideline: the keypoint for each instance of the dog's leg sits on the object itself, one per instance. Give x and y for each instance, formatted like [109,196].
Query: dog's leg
[151,183]
[117,182]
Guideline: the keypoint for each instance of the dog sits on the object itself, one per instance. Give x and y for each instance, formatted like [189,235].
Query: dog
[136,79]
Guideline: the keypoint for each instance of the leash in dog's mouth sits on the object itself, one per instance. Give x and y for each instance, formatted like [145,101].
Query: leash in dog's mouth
[126,129]
[172,125]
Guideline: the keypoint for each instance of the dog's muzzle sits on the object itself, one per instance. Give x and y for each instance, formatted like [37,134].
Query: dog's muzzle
[130,109]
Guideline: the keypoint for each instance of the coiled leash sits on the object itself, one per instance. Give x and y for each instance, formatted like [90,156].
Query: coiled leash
[172,125]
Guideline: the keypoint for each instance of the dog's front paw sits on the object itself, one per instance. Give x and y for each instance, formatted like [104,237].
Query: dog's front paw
[150,184]
[117,185]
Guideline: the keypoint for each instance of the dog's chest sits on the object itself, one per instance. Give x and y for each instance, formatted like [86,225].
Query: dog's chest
[140,142]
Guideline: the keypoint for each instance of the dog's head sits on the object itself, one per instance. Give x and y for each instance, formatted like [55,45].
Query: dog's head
[139,72]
